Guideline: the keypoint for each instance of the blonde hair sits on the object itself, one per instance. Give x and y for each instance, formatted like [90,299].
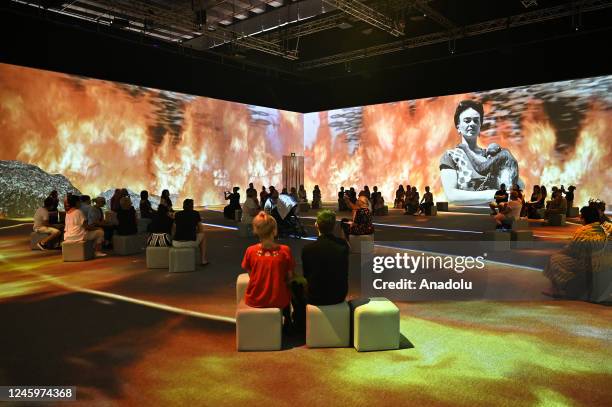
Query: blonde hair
[264,225]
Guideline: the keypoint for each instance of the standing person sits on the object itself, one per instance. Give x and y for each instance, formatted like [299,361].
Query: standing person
[77,229]
[501,196]
[234,203]
[42,225]
[188,230]
[263,196]
[316,197]
[569,198]
[426,202]
[146,211]
[270,266]
[302,194]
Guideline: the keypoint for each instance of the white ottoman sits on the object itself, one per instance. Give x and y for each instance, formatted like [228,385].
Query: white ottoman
[78,251]
[500,239]
[328,326]
[143,224]
[434,211]
[520,224]
[181,259]
[36,237]
[376,325]
[556,219]
[362,243]
[245,229]
[241,285]
[130,244]
[442,206]
[573,212]
[258,328]
[157,257]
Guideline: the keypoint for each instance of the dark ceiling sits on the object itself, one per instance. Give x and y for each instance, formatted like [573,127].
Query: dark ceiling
[312,55]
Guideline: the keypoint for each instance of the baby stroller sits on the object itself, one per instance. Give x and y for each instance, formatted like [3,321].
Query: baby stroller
[283,211]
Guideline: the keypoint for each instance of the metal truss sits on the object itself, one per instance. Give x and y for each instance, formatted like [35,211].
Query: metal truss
[369,15]
[499,24]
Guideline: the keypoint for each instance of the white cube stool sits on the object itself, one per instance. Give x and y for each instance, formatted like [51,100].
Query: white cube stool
[158,257]
[520,224]
[500,239]
[362,243]
[181,259]
[78,251]
[573,212]
[130,244]
[376,325]
[143,224]
[328,326]
[258,328]
[36,237]
[556,219]
[245,229]
[241,285]
[442,206]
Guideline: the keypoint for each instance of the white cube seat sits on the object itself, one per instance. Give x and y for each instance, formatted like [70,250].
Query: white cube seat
[328,325]
[128,244]
[158,257]
[181,259]
[258,329]
[78,251]
[376,325]
[362,243]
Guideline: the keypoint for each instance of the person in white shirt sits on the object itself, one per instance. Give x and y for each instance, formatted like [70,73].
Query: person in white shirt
[77,229]
[515,204]
[250,207]
[41,225]
[509,211]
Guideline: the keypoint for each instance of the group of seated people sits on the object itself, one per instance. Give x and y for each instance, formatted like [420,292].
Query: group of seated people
[573,271]
[85,221]
[409,199]
[271,267]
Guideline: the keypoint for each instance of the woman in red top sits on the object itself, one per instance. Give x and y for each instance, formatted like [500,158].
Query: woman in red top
[270,267]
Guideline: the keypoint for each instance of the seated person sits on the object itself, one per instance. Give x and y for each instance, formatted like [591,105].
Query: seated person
[412,202]
[250,208]
[302,194]
[378,202]
[54,217]
[508,212]
[569,269]
[501,197]
[569,197]
[85,205]
[294,194]
[606,224]
[146,211]
[558,205]
[515,204]
[325,263]
[126,217]
[316,197]
[362,218]
[160,228]
[188,230]
[270,266]
[77,229]
[234,203]
[426,202]
[166,201]
[42,225]
[95,218]
[341,204]
[399,197]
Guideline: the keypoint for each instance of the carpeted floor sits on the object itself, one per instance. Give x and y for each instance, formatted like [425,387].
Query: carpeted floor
[127,335]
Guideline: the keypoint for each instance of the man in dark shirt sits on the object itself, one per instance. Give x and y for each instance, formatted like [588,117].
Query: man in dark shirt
[188,230]
[325,264]
[501,196]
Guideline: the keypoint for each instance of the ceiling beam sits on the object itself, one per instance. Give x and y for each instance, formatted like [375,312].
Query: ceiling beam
[367,14]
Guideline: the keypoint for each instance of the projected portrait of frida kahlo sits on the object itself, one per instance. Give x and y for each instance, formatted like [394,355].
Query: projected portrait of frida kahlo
[470,175]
